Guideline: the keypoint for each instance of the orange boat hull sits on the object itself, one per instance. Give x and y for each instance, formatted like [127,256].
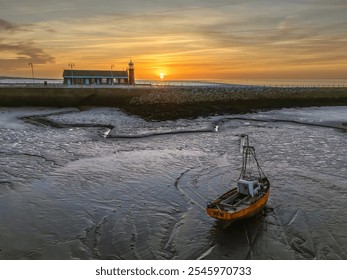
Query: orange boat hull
[240,214]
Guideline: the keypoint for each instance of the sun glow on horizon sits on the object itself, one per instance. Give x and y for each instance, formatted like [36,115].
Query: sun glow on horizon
[161,76]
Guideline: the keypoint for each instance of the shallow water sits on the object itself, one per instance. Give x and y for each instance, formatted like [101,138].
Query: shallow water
[99,184]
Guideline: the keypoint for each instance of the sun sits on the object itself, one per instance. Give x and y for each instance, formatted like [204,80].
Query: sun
[161,76]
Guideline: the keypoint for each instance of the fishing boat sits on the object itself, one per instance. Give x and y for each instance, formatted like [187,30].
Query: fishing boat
[250,194]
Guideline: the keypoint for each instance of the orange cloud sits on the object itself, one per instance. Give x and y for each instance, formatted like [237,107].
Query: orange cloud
[184,39]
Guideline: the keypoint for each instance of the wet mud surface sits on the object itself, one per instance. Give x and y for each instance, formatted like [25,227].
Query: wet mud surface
[101,184]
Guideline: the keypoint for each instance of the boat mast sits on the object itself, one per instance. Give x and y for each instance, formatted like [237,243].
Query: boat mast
[248,153]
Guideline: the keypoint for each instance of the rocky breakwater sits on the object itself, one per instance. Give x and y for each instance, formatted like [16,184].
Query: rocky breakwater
[175,102]
[172,102]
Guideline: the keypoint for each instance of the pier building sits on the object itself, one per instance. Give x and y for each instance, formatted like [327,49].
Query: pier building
[100,77]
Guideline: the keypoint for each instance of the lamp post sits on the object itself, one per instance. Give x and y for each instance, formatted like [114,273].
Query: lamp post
[112,73]
[32,70]
[71,66]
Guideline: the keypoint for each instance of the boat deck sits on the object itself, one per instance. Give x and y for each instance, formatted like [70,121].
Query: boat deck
[237,201]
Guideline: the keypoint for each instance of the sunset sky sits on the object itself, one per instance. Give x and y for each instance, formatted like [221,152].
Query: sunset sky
[183,39]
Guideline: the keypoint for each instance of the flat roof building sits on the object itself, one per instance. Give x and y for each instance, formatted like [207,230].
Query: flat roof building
[99,77]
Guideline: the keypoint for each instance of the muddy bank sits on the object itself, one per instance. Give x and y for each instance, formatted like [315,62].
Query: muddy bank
[175,102]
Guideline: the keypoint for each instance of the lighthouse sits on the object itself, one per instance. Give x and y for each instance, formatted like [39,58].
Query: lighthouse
[131,73]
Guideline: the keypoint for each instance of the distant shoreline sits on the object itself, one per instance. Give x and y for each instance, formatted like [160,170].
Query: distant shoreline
[172,102]
[242,82]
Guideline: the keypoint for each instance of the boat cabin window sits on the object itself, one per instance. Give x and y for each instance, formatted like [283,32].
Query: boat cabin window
[242,187]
